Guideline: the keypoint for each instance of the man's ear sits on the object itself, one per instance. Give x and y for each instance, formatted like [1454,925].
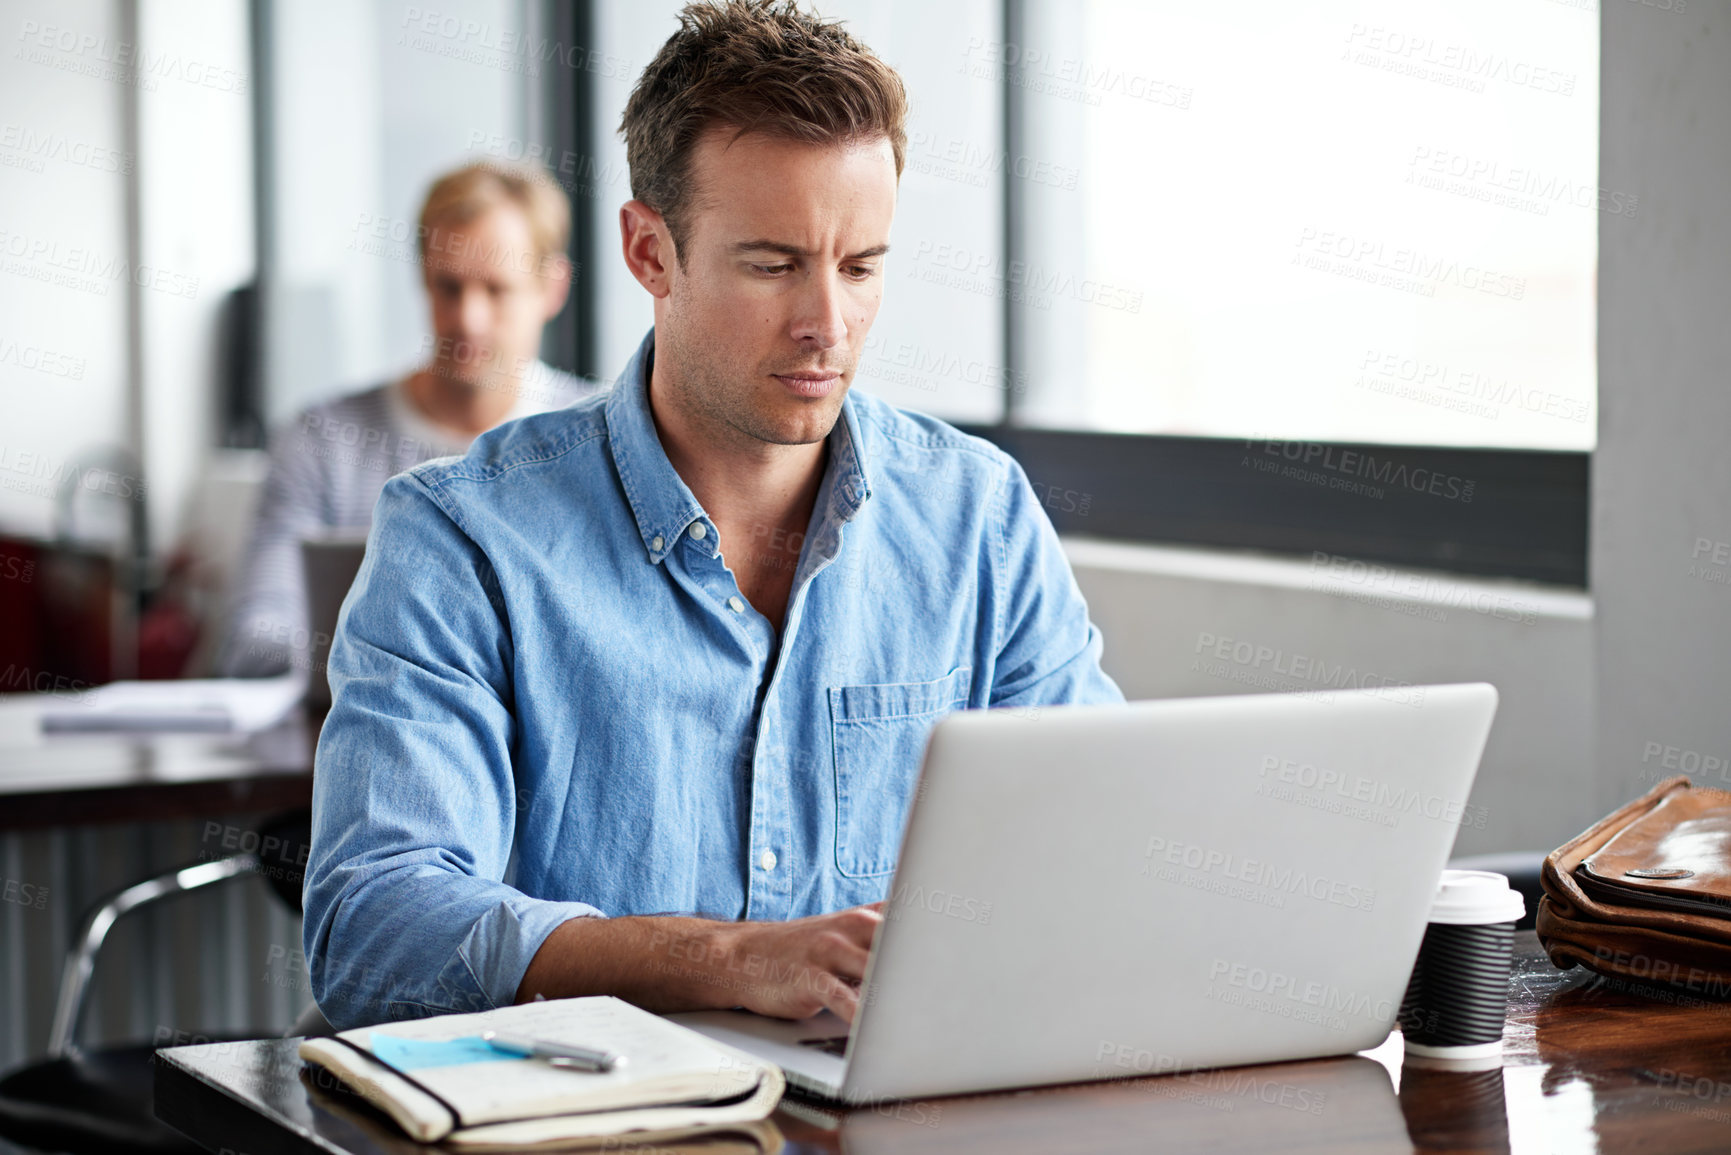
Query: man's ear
[555,285]
[648,247]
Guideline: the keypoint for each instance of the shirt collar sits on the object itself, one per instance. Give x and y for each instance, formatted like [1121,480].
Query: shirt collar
[664,506]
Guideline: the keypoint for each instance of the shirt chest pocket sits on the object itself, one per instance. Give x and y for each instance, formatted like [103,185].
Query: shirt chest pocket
[879,733]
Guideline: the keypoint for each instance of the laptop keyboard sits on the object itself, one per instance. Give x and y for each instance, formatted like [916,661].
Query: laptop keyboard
[830,1045]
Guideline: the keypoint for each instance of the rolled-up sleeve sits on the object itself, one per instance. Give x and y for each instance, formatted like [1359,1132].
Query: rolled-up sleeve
[414,794]
[1048,651]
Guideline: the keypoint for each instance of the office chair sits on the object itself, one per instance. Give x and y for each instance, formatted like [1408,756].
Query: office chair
[102,1101]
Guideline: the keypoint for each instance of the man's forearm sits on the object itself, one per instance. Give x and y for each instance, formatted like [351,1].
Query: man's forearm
[660,962]
[668,963]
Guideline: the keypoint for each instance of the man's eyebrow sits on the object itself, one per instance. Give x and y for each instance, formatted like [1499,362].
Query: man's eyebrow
[788,250]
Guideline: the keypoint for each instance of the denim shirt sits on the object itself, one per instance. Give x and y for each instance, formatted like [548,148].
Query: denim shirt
[551,700]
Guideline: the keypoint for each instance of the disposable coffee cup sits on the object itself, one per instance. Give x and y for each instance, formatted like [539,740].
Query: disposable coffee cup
[1458,997]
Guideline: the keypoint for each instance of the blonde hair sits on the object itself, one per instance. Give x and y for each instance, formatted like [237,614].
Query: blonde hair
[465,193]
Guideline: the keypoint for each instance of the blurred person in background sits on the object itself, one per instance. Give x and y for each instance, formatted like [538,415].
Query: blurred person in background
[492,245]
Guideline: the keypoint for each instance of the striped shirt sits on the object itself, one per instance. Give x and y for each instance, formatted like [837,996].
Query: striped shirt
[327,468]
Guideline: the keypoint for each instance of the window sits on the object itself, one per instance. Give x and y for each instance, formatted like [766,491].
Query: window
[1332,221]
[1278,277]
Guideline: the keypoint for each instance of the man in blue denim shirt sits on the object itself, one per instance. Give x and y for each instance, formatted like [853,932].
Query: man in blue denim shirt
[677,648]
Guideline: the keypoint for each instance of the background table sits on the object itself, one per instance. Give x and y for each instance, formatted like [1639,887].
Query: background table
[1590,1066]
[80,779]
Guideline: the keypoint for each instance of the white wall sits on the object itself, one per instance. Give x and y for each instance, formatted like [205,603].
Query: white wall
[51,205]
[1166,612]
[326,301]
[66,162]
[1662,473]
[196,210]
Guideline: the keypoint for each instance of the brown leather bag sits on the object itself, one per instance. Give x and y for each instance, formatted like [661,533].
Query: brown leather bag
[1645,893]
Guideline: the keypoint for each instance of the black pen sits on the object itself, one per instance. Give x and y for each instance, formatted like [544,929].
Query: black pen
[555,1054]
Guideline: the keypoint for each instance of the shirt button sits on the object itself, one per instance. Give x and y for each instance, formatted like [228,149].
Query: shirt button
[736,605]
[698,531]
[768,860]
[656,544]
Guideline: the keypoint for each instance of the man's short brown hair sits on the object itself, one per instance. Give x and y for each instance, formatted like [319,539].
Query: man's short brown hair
[460,196]
[754,66]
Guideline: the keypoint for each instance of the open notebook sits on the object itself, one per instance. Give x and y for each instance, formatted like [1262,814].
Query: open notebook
[440,1081]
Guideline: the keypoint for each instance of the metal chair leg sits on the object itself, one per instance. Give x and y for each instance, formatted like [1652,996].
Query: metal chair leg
[81,959]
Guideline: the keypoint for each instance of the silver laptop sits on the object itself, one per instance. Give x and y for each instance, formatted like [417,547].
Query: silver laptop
[1092,892]
[330,560]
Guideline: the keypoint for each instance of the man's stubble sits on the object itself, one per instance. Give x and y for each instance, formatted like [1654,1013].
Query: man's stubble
[724,397]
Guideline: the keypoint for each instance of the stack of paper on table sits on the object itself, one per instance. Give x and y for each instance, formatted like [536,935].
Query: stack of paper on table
[196,705]
[440,1081]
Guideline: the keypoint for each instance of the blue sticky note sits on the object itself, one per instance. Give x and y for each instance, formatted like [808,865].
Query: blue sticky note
[415,1054]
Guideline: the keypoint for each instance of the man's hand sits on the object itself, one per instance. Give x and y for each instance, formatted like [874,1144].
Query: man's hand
[793,970]
[787,969]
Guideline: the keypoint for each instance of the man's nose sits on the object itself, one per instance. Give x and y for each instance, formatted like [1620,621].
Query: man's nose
[820,319]
[474,313]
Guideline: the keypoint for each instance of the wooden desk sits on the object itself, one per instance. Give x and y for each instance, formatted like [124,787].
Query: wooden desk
[72,780]
[1590,1066]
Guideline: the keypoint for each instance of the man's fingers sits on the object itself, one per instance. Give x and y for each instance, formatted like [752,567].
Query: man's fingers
[832,951]
[840,997]
[845,958]
[861,924]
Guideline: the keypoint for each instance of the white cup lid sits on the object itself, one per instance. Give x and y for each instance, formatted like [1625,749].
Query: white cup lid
[1475,897]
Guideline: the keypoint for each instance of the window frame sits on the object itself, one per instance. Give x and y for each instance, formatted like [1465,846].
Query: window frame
[1499,513]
